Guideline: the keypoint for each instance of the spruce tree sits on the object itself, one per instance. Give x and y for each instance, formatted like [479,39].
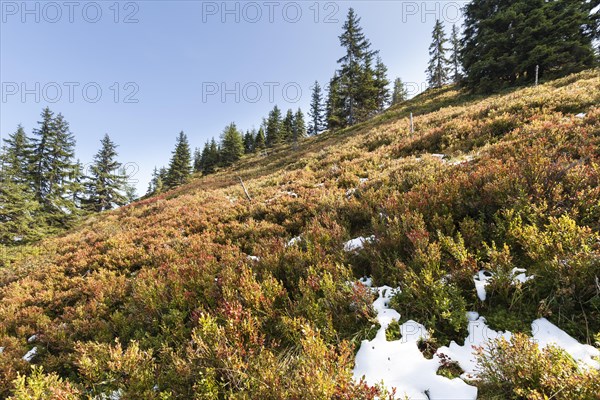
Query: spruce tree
[504,41]
[197,160]
[232,145]
[351,82]
[455,48]
[249,141]
[299,126]
[274,127]
[316,111]
[287,126]
[18,207]
[260,140]
[180,167]
[381,86]
[335,105]
[154,183]
[54,171]
[437,70]
[400,93]
[105,187]
[211,160]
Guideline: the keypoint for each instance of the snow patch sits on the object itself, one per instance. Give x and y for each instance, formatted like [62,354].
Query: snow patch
[400,364]
[357,243]
[481,281]
[545,333]
[368,282]
[30,354]
[293,241]
[254,258]
[519,275]
[350,192]
[479,336]
[363,180]
[581,115]
[32,339]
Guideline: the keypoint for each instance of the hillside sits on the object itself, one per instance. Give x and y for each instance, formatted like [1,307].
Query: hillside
[200,293]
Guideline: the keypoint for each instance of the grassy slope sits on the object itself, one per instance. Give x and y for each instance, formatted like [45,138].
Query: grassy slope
[171,272]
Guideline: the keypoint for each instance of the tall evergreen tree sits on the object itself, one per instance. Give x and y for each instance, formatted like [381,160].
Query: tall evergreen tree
[287,126]
[437,70]
[335,105]
[53,169]
[400,93]
[260,140]
[274,127]
[504,40]
[155,184]
[249,141]
[197,160]
[232,145]
[455,48]
[180,167]
[352,67]
[316,111]
[381,85]
[105,187]
[18,207]
[299,126]
[210,157]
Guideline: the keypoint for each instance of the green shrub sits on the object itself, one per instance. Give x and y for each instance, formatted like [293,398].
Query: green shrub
[519,369]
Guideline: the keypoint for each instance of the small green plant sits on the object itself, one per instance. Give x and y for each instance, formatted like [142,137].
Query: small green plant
[392,331]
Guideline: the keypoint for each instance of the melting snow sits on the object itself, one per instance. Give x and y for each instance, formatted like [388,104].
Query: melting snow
[368,282]
[481,281]
[358,243]
[519,275]
[294,241]
[545,333]
[479,335]
[401,364]
[30,354]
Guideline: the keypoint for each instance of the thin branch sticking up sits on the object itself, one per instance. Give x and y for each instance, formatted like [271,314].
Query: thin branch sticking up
[244,187]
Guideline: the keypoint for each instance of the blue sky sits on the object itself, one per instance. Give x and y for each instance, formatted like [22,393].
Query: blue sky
[157,63]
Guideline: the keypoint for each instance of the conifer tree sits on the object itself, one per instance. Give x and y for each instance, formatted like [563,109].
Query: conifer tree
[335,105]
[260,140]
[381,86]
[299,126]
[18,206]
[210,158]
[400,93]
[180,167]
[249,141]
[105,187]
[53,170]
[232,145]
[274,128]
[504,41]
[155,184]
[316,111]
[352,68]
[287,126]
[437,70]
[197,160]
[129,189]
[455,48]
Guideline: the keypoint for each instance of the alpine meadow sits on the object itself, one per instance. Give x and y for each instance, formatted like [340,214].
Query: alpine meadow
[380,243]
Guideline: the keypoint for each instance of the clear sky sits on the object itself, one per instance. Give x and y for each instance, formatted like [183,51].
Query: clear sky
[142,71]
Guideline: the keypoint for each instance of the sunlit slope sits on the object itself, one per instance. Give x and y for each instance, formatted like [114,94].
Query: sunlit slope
[172,272]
